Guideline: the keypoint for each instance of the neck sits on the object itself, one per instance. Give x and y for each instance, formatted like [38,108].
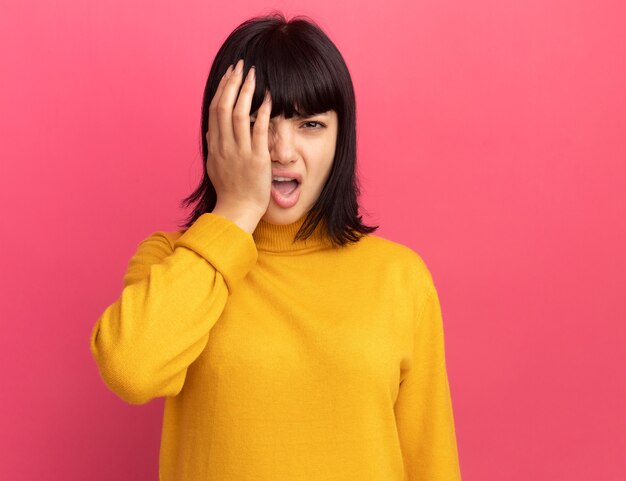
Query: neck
[280,238]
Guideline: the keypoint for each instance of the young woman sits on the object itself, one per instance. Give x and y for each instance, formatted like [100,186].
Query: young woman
[289,341]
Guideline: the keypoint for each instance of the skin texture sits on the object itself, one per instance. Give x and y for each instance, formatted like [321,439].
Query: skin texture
[238,161]
[244,148]
[306,146]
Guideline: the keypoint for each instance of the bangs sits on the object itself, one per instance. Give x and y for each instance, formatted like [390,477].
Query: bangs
[300,82]
[305,74]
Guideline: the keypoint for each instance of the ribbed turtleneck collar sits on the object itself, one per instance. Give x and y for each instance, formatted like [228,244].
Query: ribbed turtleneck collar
[279,238]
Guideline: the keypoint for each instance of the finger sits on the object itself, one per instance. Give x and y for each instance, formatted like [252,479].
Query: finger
[241,114]
[261,126]
[226,103]
[213,131]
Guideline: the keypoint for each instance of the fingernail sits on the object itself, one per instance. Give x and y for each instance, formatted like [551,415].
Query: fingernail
[229,71]
[267,97]
[251,73]
[239,66]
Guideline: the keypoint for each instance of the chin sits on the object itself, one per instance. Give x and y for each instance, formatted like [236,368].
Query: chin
[279,216]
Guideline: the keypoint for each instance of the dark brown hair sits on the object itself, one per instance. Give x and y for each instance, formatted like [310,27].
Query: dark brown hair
[305,74]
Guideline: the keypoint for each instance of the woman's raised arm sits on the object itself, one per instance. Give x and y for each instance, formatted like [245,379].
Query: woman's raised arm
[144,342]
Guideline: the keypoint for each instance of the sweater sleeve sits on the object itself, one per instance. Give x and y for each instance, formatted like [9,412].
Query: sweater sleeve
[173,294]
[423,407]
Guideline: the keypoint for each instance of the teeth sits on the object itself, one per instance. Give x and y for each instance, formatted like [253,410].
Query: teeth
[282,179]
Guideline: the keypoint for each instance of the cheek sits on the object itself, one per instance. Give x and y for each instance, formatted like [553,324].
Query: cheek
[325,167]
[331,150]
[321,156]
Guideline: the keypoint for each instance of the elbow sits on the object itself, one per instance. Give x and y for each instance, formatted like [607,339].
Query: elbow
[130,388]
[124,374]
[127,380]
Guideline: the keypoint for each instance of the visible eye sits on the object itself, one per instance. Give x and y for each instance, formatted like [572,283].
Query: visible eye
[315,122]
[321,125]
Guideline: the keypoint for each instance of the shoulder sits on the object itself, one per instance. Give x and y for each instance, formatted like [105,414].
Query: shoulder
[153,249]
[159,241]
[398,259]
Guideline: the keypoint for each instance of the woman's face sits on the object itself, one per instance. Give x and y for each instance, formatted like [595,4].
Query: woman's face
[303,147]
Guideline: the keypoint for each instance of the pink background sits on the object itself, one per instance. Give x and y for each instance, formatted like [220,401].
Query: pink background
[491,141]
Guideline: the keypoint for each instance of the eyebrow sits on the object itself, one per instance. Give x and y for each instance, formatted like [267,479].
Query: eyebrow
[320,114]
[296,116]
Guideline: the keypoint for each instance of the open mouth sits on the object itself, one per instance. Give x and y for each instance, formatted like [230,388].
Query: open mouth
[285,187]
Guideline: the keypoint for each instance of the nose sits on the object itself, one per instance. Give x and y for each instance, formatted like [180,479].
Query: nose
[281,141]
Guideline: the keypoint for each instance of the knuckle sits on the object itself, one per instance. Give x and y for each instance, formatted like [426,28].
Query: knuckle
[242,151]
[211,150]
[260,125]
[222,152]
[239,115]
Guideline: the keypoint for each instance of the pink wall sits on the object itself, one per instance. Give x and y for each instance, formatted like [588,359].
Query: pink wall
[492,141]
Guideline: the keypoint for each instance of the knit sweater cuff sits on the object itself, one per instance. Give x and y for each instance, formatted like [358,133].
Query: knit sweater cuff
[226,246]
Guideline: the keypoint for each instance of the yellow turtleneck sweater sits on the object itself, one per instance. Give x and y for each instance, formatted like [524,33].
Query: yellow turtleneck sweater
[283,361]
